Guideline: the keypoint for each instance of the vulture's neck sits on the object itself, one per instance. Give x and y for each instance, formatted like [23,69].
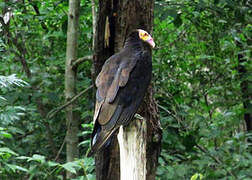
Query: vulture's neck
[134,44]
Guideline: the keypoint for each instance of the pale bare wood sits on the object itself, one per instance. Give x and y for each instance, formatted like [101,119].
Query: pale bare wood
[132,142]
[93,22]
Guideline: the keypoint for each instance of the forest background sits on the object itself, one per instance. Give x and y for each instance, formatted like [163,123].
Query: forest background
[201,78]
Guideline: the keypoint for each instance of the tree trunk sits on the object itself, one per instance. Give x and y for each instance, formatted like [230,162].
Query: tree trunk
[122,17]
[72,118]
[246,94]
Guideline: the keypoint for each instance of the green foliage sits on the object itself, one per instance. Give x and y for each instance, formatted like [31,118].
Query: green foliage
[198,88]
[32,46]
[6,81]
[15,165]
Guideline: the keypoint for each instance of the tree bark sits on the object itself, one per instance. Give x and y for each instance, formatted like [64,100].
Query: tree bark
[246,94]
[122,17]
[72,117]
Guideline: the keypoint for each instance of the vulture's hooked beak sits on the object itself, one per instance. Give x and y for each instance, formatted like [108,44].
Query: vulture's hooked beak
[151,42]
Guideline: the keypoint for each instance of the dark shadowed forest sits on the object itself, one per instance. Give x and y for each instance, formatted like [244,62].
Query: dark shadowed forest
[201,83]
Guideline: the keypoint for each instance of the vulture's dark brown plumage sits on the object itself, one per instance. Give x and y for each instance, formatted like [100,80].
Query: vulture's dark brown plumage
[121,86]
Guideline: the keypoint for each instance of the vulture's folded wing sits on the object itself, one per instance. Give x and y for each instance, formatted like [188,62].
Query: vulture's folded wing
[114,74]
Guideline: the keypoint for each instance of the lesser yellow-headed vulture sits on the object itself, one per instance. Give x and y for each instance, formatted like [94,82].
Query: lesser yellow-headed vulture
[121,86]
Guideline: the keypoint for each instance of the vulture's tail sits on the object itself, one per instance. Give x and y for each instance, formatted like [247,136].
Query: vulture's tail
[100,139]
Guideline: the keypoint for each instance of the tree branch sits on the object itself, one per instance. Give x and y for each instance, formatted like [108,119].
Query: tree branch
[2,22]
[78,61]
[24,135]
[175,117]
[20,47]
[60,150]
[55,111]
[59,2]
[60,108]
[36,9]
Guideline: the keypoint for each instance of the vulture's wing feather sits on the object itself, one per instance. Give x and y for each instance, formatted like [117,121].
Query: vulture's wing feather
[121,88]
[114,74]
[133,93]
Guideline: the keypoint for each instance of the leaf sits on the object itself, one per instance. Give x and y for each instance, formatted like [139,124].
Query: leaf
[86,142]
[10,114]
[6,150]
[2,98]
[5,134]
[201,176]
[14,167]
[85,133]
[91,177]
[222,21]
[52,164]
[89,126]
[2,5]
[22,157]
[195,176]
[38,158]
[5,81]
[70,166]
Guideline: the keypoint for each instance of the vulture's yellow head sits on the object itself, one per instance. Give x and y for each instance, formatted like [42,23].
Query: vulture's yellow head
[143,35]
